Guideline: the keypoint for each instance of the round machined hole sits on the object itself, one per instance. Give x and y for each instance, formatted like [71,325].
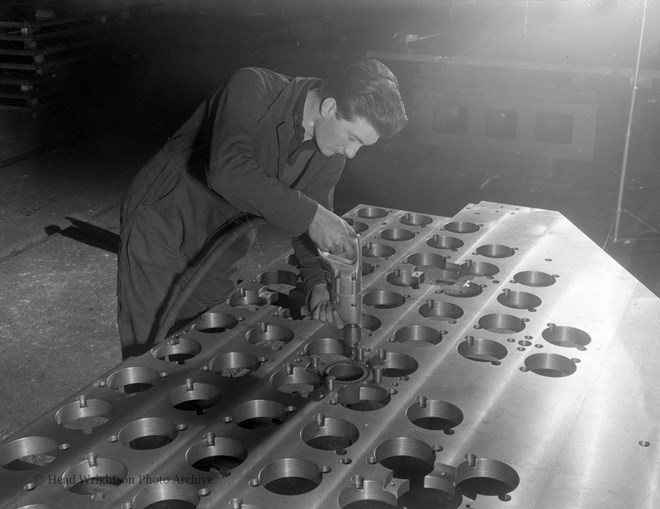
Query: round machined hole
[363,398]
[393,364]
[28,453]
[461,227]
[347,371]
[427,260]
[483,269]
[36,506]
[269,335]
[296,380]
[243,297]
[383,299]
[463,290]
[444,242]
[397,234]
[326,346]
[570,337]
[358,226]
[367,268]
[519,300]
[418,335]
[440,310]
[403,277]
[408,458]
[534,278]
[412,219]
[329,434]
[290,476]
[495,251]
[166,495]
[95,476]
[259,414]
[84,414]
[375,250]
[278,277]
[211,323]
[480,476]
[501,324]
[482,350]
[550,365]
[435,490]
[435,415]
[148,433]
[371,212]
[234,364]
[193,396]
[177,350]
[366,494]
[216,454]
[133,379]
[370,322]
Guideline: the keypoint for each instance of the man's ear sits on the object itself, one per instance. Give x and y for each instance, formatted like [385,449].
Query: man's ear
[328,107]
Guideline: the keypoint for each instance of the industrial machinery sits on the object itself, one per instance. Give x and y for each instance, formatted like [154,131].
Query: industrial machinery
[505,361]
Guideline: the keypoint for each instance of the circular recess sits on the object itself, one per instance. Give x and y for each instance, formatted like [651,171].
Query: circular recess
[434,415]
[166,495]
[519,300]
[371,212]
[347,371]
[394,364]
[461,227]
[366,494]
[501,324]
[370,322]
[258,414]
[375,250]
[482,350]
[534,278]
[329,434]
[403,277]
[36,506]
[358,226]
[326,346]
[412,219]
[234,364]
[480,476]
[84,414]
[566,336]
[434,491]
[363,398]
[28,453]
[296,379]
[383,299]
[424,259]
[177,350]
[290,476]
[243,297]
[440,310]
[211,323]
[495,251]
[418,335]
[193,396]
[148,433]
[483,269]
[367,268]
[444,242]
[216,454]
[464,290]
[95,476]
[269,336]
[408,458]
[397,234]
[550,364]
[133,379]
[278,277]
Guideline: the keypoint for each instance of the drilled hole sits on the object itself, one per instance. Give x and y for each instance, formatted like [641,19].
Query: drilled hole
[166,495]
[28,453]
[408,458]
[371,212]
[383,299]
[444,242]
[363,398]
[94,477]
[461,227]
[534,278]
[133,379]
[570,337]
[218,455]
[418,334]
[269,335]
[519,300]
[330,434]
[550,365]
[148,433]
[177,350]
[259,414]
[440,310]
[211,323]
[358,226]
[412,219]
[397,234]
[495,251]
[374,250]
[234,364]
[394,364]
[501,324]
[194,396]
[480,476]
[290,476]
[435,415]
[482,350]
[84,415]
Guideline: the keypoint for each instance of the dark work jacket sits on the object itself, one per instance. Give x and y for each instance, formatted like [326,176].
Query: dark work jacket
[226,160]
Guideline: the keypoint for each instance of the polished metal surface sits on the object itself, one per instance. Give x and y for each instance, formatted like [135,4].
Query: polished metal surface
[506,362]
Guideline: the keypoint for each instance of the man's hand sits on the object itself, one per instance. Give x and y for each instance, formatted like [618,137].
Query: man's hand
[320,306]
[331,233]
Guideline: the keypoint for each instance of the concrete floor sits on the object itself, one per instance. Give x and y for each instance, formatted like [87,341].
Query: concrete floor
[57,294]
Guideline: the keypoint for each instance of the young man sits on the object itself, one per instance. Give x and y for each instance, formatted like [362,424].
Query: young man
[266,145]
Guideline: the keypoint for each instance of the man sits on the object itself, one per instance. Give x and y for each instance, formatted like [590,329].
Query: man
[265,145]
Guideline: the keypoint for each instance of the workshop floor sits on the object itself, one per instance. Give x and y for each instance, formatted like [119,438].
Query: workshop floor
[57,292]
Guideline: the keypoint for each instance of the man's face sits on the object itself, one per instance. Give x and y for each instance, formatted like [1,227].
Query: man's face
[335,135]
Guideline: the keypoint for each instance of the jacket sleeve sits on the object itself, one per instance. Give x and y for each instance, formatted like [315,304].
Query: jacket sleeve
[233,171]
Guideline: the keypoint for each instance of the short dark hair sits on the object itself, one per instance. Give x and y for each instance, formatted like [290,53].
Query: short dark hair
[369,90]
